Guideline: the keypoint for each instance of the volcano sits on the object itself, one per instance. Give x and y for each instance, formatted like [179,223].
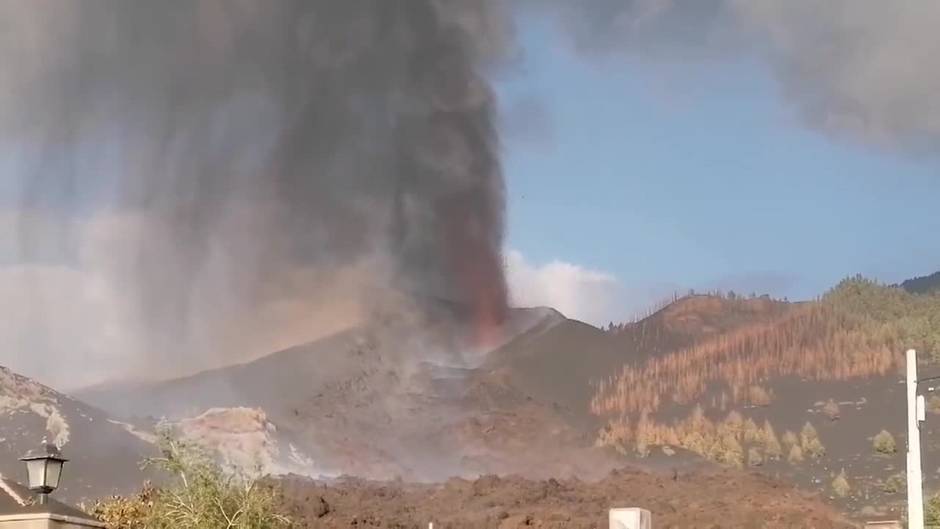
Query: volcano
[789,390]
[379,402]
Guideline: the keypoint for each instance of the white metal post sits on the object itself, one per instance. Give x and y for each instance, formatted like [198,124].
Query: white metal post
[915,492]
[631,518]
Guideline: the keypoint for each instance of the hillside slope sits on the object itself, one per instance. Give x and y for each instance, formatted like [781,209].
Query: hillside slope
[923,284]
[696,500]
[104,455]
[362,402]
[563,363]
[793,390]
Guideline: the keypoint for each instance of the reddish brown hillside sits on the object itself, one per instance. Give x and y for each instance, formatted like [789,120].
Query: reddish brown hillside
[558,364]
[693,318]
[810,341]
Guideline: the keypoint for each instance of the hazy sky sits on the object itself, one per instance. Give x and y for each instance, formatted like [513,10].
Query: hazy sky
[649,147]
[633,177]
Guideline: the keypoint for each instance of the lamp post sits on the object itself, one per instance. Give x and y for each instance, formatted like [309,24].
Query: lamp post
[44,470]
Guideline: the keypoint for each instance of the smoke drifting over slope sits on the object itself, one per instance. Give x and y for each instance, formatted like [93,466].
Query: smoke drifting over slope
[198,181]
[238,154]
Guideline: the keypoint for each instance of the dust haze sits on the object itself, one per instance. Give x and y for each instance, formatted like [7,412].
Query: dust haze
[194,182]
[187,184]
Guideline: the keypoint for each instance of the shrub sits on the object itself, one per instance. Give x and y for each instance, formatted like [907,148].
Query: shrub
[840,485]
[201,496]
[790,439]
[796,454]
[754,457]
[695,442]
[831,410]
[815,448]
[883,443]
[772,447]
[120,512]
[894,484]
[932,511]
[807,434]
[643,435]
[752,433]
[734,423]
[759,396]
[933,404]
[728,451]
[809,441]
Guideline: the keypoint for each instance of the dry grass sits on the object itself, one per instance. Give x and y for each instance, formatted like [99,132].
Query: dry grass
[796,455]
[895,483]
[840,485]
[814,342]
[883,443]
[772,447]
[831,410]
[810,443]
[733,441]
[758,396]
[933,404]
[790,439]
[754,457]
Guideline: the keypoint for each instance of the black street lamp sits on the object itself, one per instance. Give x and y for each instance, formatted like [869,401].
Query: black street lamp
[44,469]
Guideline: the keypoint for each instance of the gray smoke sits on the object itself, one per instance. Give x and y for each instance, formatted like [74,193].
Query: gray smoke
[211,164]
[197,181]
[862,70]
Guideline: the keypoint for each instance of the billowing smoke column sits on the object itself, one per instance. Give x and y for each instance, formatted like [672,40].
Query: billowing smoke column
[207,158]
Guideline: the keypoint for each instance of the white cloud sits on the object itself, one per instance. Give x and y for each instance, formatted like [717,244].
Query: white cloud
[581,293]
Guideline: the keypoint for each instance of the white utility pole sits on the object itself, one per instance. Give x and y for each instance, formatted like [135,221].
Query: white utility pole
[915,414]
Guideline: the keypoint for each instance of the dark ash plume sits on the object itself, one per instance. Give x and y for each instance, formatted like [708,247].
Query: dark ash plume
[863,70]
[240,154]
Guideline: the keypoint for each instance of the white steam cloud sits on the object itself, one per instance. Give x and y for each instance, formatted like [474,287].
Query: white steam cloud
[581,293]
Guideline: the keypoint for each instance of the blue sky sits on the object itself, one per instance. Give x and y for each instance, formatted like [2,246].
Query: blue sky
[698,174]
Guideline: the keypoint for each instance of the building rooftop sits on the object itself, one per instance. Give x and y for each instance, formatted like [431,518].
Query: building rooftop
[15,499]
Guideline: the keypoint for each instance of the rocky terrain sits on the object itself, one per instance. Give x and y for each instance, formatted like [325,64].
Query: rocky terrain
[104,455]
[360,403]
[805,394]
[704,499]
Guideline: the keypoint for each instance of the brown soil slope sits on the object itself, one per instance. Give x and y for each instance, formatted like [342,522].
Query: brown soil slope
[703,500]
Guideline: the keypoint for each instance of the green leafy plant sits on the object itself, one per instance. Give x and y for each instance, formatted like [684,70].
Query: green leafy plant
[890,315]
[200,495]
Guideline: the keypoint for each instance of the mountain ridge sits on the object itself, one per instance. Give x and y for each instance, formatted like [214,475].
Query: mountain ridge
[923,284]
